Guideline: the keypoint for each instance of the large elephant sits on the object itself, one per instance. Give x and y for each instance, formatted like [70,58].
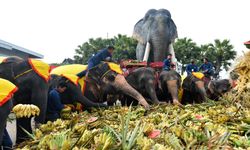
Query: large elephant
[155,34]
[33,89]
[169,83]
[196,90]
[103,77]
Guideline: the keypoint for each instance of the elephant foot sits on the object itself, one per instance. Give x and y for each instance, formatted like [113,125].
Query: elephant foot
[176,102]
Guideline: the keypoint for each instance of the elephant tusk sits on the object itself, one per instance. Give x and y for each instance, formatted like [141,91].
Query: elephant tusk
[147,51]
[171,51]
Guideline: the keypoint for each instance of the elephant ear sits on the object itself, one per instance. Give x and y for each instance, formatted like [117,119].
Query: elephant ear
[6,71]
[139,33]
[172,29]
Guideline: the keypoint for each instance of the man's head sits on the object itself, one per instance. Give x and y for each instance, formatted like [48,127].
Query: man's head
[205,60]
[111,49]
[169,56]
[62,86]
[192,61]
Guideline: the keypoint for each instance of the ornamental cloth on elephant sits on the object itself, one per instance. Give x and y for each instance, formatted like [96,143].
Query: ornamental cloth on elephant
[69,72]
[41,68]
[7,89]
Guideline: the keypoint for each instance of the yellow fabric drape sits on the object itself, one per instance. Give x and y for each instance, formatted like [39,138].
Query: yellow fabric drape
[115,67]
[70,72]
[198,75]
[7,89]
[41,68]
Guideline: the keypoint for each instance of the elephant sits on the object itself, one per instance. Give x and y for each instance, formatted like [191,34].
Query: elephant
[155,33]
[169,85]
[33,89]
[103,77]
[143,80]
[196,90]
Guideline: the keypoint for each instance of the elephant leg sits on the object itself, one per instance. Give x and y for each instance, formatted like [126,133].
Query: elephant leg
[187,97]
[4,111]
[173,90]
[25,123]
[201,89]
[151,91]
[140,49]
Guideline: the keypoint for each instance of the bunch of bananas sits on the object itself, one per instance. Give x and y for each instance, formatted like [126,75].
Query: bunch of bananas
[80,128]
[104,141]
[26,110]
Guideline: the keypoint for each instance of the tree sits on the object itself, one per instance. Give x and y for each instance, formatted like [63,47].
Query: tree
[221,54]
[88,49]
[185,50]
[124,48]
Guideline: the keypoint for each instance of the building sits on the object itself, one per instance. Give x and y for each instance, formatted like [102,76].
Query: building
[8,49]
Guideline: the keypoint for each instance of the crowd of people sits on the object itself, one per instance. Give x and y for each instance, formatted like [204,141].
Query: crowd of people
[206,68]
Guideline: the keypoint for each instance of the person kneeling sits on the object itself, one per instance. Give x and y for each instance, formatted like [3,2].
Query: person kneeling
[55,105]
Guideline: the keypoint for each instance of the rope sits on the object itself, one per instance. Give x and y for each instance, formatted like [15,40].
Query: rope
[25,72]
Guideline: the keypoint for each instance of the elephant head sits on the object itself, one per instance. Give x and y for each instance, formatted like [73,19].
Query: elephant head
[217,88]
[194,90]
[155,33]
[170,82]
[106,77]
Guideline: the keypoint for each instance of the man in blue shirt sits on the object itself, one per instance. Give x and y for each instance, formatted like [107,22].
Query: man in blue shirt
[167,63]
[55,106]
[206,68]
[104,54]
[191,67]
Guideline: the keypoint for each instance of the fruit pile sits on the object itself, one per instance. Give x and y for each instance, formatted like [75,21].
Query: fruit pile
[241,92]
[211,125]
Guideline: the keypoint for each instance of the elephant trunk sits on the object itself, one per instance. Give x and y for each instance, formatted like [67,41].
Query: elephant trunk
[151,91]
[173,90]
[122,85]
[160,47]
[39,98]
[201,89]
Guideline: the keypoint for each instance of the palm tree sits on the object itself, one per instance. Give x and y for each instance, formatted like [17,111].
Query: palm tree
[221,54]
[185,50]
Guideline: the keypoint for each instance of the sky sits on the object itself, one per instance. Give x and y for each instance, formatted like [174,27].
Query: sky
[54,28]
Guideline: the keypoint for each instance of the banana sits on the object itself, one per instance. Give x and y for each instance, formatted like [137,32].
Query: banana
[26,110]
